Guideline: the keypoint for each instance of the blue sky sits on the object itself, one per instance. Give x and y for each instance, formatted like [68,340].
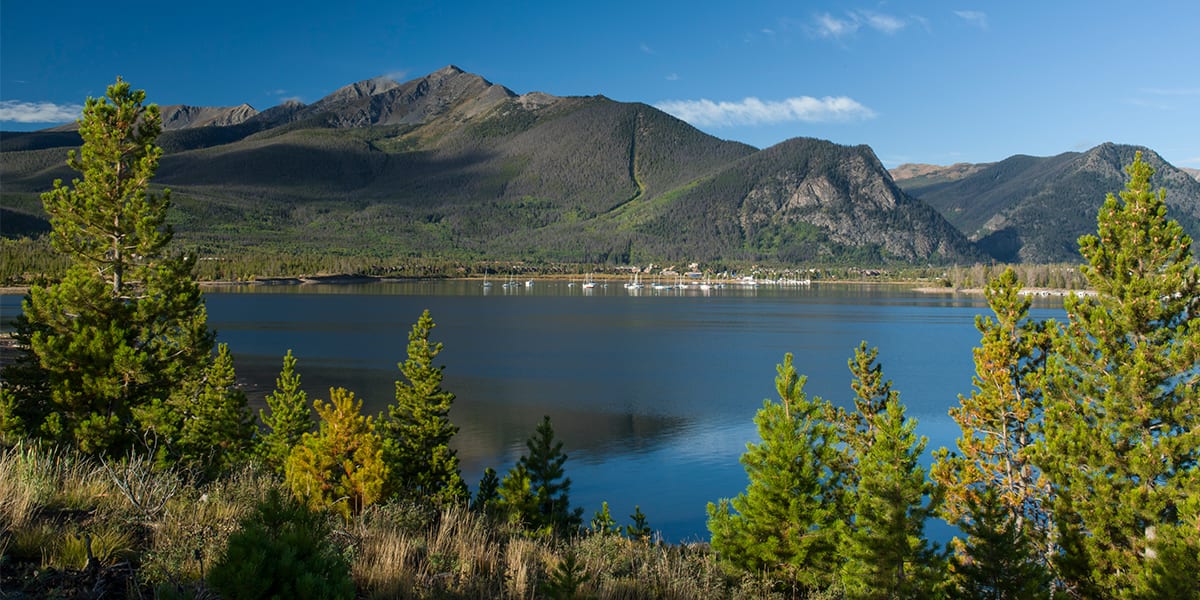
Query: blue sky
[918,81]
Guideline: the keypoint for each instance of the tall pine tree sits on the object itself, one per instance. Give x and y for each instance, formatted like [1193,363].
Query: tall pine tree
[1000,424]
[126,327]
[787,521]
[417,429]
[1122,418]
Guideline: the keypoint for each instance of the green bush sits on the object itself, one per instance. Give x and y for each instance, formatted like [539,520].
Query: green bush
[282,551]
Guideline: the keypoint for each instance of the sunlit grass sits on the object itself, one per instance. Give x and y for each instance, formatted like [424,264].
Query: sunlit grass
[57,509]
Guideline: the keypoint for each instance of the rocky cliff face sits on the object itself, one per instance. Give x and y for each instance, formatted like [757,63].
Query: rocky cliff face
[448,92]
[847,192]
[179,116]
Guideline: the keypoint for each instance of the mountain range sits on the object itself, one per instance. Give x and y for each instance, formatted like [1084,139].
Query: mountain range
[452,165]
[1033,209]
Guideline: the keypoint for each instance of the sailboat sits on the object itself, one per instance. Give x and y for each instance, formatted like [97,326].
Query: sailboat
[589,284]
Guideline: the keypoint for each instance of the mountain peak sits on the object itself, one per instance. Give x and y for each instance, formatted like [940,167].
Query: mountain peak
[358,90]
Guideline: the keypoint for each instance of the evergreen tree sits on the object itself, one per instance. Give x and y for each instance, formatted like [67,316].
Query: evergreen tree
[488,493]
[639,528]
[1175,570]
[998,560]
[871,395]
[1000,422]
[603,522]
[217,427]
[282,550]
[788,520]
[287,416]
[1122,417]
[341,466]
[548,481]
[517,503]
[886,553]
[126,326]
[417,430]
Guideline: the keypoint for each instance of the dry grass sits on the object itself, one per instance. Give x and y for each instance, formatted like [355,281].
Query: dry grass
[52,503]
[21,495]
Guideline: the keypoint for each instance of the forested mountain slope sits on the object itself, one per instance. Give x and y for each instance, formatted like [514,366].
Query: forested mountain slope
[1033,209]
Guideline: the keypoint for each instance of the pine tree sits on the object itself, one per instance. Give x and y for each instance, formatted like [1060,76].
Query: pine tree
[282,549]
[639,528]
[417,429]
[217,427]
[788,520]
[548,481]
[517,503]
[1000,422]
[871,395]
[126,326]
[1175,570]
[341,466]
[488,493]
[998,560]
[1122,417]
[603,522]
[886,553]
[287,416]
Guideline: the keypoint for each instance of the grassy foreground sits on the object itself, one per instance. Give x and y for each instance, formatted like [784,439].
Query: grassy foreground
[74,527]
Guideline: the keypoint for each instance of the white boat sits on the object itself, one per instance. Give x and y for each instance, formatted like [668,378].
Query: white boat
[528,283]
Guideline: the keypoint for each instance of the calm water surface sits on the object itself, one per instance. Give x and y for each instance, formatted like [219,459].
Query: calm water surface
[652,394]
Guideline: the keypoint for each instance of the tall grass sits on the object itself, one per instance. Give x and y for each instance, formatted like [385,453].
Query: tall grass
[58,511]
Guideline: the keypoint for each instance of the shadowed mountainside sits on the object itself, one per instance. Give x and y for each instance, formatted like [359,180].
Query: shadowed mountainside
[1033,209]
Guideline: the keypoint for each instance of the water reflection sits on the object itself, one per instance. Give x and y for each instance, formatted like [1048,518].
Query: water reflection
[653,394]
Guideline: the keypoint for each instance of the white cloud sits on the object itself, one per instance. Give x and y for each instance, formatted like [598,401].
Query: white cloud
[398,76]
[752,111]
[829,26]
[38,112]
[645,48]
[881,22]
[977,18]
[673,77]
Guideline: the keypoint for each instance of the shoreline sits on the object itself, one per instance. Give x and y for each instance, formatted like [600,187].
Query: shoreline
[1037,292]
[359,279]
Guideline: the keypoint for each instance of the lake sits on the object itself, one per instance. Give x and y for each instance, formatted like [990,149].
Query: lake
[653,393]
